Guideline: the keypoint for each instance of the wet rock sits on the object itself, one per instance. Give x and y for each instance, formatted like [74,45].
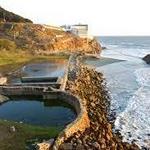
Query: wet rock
[147,59]
[3,99]
[103,47]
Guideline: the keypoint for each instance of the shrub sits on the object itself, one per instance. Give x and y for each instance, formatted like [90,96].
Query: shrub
[7,44]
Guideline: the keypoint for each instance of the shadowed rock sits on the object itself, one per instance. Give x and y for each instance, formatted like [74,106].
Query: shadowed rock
[147,59]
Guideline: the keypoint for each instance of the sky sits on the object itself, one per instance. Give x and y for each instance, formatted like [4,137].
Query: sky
[104,17]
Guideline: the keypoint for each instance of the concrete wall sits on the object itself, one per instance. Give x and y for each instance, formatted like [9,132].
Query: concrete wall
[63,80]
[79,124]
[19,90]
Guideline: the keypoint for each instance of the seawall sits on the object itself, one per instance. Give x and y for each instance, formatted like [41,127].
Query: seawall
[89,86]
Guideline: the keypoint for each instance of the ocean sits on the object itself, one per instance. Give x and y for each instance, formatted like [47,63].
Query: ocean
[128,82]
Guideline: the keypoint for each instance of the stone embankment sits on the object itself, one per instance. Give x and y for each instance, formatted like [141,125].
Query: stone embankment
[89,86]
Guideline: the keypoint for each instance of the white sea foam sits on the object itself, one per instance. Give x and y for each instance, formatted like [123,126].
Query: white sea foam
[129,85]
[134,122]
[143,76]
[126,54]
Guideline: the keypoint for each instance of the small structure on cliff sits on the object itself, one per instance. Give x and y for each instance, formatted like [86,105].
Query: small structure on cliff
[78,29]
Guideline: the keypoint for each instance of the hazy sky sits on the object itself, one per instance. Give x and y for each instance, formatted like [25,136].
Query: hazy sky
[105,17]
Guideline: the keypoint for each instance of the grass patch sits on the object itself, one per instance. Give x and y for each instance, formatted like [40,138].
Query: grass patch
[15,57]
[17,140]
[7,44]
[11,60]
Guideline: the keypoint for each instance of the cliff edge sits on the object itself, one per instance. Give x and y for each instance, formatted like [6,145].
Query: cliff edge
[41,39]
[6,16]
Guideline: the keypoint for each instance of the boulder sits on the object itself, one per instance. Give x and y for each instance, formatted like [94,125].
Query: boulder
[3,80]
[3,99]
[147,59]
[103,47]
[66,146]
[45,145]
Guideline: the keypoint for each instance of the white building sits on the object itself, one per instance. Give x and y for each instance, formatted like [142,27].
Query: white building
[78,29]
[52,27]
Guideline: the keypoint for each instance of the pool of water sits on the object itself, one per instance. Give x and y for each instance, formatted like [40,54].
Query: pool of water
[51,68]
[35,111]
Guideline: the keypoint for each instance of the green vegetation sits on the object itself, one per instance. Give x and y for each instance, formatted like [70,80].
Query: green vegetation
[7,44]
[13,59]
[16,140]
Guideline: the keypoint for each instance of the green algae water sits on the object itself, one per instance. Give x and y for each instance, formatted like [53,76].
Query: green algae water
[35,111]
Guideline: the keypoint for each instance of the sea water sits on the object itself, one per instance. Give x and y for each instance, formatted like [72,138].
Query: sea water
[128,82]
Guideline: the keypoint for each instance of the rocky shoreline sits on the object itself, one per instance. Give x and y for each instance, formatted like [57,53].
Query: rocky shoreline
[89,85]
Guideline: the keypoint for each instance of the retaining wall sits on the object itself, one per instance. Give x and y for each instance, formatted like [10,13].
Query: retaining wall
[79,124]
[82,121]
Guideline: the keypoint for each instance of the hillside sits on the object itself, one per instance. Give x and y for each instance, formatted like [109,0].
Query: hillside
[6,16]
[38,39]
[19,33]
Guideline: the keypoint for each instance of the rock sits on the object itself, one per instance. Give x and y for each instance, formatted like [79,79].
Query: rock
[92,104]
[3,80]
[89,86]
[45,145]
[79,141]
[103,47]
[147,59]
[80,147]
[66,146]
[3,99]
[96,145]
[12,129]
[107,136]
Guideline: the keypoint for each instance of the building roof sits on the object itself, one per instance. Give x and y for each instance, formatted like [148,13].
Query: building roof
[80,25]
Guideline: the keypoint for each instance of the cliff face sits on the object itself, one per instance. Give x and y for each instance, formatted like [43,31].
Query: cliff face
[6,16]
[22,34]
[39,39]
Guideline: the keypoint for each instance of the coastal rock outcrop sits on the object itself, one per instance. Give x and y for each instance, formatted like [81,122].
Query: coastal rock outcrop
[147,59]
